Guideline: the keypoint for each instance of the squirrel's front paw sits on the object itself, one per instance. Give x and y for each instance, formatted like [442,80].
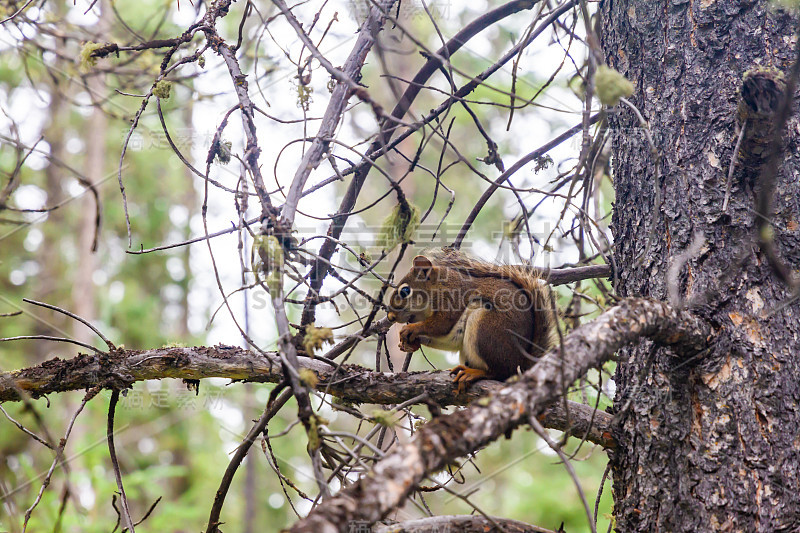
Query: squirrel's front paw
[409,339]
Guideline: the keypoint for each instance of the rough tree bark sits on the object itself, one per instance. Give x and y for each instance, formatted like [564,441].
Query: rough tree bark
[711,446]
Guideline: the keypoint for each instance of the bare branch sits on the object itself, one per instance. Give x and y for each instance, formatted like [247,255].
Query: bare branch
[271,410]
[74,316]
[524,160]
[381,146]
[59,454]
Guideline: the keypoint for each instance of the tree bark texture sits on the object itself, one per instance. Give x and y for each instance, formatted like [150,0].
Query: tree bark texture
[710,445]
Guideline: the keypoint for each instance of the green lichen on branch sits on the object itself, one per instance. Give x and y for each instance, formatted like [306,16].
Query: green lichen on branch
[162,90]
[223,152]
[304,98]
[315,338]
[270,252]
[399,226]
[86,61]
[543,163]
[308,377]
[384,418]
[267,258]
[314,438]
[611,85]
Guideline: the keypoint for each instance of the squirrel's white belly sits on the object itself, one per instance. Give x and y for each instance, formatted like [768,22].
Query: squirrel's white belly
[453,341]
[461,337]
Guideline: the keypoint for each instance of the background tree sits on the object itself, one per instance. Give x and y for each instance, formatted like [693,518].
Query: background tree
[277,166]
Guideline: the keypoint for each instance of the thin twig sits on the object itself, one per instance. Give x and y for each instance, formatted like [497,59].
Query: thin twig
[112,452]
[26,430]
[50,338]
[73,316]
[732,167]
[537,427]
[241,451]
[59,455]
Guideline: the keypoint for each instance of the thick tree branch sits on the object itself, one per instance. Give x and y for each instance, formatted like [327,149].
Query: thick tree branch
[351,383]
[460,523]
[449,437]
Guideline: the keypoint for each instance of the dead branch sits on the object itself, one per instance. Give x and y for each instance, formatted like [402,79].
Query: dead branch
[382,144]
[270,411]
[532,156]
[59,454]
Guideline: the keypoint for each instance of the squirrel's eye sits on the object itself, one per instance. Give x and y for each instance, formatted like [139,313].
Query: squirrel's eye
[404,291]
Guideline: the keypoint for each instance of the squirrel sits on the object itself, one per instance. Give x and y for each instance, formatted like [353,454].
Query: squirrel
[499,318]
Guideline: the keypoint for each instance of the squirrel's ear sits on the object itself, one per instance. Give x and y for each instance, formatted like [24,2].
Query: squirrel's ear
[423,267]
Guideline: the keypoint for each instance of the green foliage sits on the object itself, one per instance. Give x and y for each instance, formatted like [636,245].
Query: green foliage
[175,444]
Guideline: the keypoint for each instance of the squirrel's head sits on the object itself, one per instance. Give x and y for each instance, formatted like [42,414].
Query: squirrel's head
[411,300]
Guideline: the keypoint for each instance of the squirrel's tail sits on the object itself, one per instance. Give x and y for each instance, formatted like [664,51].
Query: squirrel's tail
[526,278]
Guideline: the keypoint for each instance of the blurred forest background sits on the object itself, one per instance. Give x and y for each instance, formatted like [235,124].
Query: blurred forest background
[64,120]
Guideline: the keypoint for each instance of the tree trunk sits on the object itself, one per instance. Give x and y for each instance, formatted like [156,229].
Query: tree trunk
[84,294]
[712,445]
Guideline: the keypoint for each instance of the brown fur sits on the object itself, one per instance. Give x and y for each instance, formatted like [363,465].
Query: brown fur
[498,317]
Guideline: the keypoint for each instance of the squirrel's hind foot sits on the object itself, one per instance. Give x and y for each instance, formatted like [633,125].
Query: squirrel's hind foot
[465,376]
